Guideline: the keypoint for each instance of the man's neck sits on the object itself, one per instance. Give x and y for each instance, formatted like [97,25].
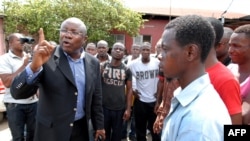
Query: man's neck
[145,61]
[211,59]
[134,57]
[103,58]
[223,58]
[244,68]
[17,53]
[115,62]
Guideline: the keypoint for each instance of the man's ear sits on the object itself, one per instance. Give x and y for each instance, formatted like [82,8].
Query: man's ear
[85,40]
[107,49]
[192,51]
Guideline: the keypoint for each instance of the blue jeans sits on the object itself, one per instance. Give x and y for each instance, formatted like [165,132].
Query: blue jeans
[21,117]
[113,124]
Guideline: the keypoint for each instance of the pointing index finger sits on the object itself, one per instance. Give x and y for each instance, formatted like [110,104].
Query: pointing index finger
[41,35]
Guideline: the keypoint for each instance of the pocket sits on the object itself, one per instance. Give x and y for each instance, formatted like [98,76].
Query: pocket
[10,106]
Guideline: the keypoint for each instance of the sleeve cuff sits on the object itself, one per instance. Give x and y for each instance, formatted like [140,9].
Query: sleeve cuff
[30,74]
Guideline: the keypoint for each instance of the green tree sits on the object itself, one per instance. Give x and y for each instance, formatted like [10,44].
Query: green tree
[100,16]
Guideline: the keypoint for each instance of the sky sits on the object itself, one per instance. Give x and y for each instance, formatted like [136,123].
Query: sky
[238,6]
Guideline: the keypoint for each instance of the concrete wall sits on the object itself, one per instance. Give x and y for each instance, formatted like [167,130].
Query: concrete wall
[153,27]
[2,36]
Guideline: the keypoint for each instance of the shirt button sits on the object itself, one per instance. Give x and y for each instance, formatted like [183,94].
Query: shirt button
[71,124]
[76,93]
[74,109]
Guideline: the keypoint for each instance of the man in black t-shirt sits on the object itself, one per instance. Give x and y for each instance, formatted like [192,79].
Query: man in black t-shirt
[116,100]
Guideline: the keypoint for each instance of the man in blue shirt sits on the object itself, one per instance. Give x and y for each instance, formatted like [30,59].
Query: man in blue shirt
[197,112]
[69,84]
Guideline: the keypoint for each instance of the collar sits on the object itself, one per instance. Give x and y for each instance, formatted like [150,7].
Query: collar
[107,57]
[81,57]
[15,56]
[192,91]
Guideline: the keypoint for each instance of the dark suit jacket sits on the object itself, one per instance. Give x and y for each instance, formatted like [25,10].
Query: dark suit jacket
[58,96]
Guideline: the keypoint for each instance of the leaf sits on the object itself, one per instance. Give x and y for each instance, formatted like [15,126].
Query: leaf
[100,17]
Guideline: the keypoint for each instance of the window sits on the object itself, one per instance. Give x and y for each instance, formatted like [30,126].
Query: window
[146,38]
[142,38]
[137,40]
[119,38]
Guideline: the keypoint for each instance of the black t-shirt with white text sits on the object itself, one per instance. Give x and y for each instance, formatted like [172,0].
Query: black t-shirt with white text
[113,86]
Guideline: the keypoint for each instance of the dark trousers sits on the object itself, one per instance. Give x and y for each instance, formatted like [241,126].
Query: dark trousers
[144,119]
[21,120]
[113,120]
[80,130]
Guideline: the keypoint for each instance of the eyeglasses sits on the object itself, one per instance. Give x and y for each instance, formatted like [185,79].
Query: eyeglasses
[71,33]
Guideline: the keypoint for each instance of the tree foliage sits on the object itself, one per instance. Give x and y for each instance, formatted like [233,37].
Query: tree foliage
[100,17]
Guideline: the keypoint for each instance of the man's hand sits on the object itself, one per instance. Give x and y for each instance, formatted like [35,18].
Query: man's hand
[136,94]
[26,60]
[100,134]
[158,124]
[127,114]
[42,52]
[157,105]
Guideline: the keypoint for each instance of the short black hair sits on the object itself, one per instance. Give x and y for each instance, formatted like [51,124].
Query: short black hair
[135,45]
[218,29]
[243,29]
[146,44]
[193,29]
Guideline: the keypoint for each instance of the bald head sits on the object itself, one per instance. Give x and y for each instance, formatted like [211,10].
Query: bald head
[119,44]
[12,36]
[146,44]
[91,48]
[102,48]
[102,43]
[14,42]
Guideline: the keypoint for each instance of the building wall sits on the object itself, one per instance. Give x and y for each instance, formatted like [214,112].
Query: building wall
[153,27]
[2,37]
[128,39]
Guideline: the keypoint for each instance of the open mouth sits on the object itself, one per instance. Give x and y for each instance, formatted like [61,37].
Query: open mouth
[66,43]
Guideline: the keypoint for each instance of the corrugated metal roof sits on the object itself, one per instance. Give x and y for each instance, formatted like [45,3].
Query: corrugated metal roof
[185,11]
[230,9]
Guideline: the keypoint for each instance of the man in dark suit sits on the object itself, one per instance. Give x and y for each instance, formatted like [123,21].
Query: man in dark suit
[69,82]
